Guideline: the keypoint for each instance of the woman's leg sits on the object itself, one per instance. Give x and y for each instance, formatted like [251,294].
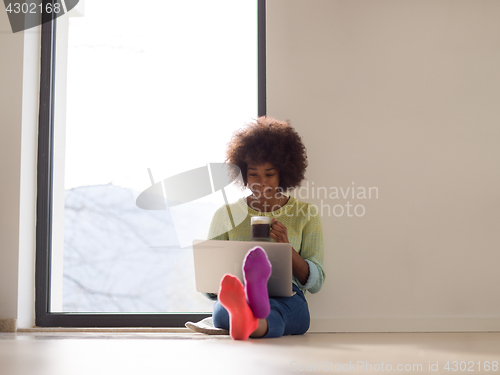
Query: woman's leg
[289,315]
[244,306]
[240,307]
[220,316]
[232,296]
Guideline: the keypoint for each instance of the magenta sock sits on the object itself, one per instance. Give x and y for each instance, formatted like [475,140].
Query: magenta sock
[256,271]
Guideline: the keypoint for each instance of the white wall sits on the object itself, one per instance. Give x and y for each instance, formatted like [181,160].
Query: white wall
[402,96]
[19,77]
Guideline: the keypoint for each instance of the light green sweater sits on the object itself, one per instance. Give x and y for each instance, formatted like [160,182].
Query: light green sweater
[303,226]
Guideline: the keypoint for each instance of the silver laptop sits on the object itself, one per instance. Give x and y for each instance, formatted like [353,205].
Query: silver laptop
[213,259]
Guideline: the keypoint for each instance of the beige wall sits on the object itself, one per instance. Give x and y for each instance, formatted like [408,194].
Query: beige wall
[11,76]
[19,77]
[403,96]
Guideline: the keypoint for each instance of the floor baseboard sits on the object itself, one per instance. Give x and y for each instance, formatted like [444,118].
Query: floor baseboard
[108,330]
[8,325]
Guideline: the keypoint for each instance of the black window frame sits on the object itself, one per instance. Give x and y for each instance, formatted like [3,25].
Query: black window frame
[43,316]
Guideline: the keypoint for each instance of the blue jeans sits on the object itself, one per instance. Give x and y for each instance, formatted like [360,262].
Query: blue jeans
[288,316]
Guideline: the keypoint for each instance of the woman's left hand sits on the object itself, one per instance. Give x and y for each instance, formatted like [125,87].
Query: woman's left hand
[278,231]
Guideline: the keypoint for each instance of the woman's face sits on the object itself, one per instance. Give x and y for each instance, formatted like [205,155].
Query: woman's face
[263,180]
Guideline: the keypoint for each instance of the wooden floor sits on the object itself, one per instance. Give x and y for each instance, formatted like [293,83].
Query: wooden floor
[91,353]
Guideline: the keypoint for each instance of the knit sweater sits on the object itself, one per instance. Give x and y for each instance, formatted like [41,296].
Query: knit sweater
[303,226]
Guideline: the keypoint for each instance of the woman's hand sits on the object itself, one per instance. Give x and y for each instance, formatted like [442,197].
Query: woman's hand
[278,231]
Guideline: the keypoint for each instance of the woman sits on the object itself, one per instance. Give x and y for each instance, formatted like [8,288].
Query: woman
[272,159]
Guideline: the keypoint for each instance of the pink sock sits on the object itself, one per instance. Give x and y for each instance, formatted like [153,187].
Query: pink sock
[256,271]
[242,322]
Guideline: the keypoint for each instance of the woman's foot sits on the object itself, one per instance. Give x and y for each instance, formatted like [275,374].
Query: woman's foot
[242,322]
[256,271]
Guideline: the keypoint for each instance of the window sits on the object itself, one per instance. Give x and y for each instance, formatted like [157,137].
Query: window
[130,97]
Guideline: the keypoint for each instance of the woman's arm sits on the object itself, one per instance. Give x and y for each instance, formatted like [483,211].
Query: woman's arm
[307,265]
[300,267]
[312,252]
